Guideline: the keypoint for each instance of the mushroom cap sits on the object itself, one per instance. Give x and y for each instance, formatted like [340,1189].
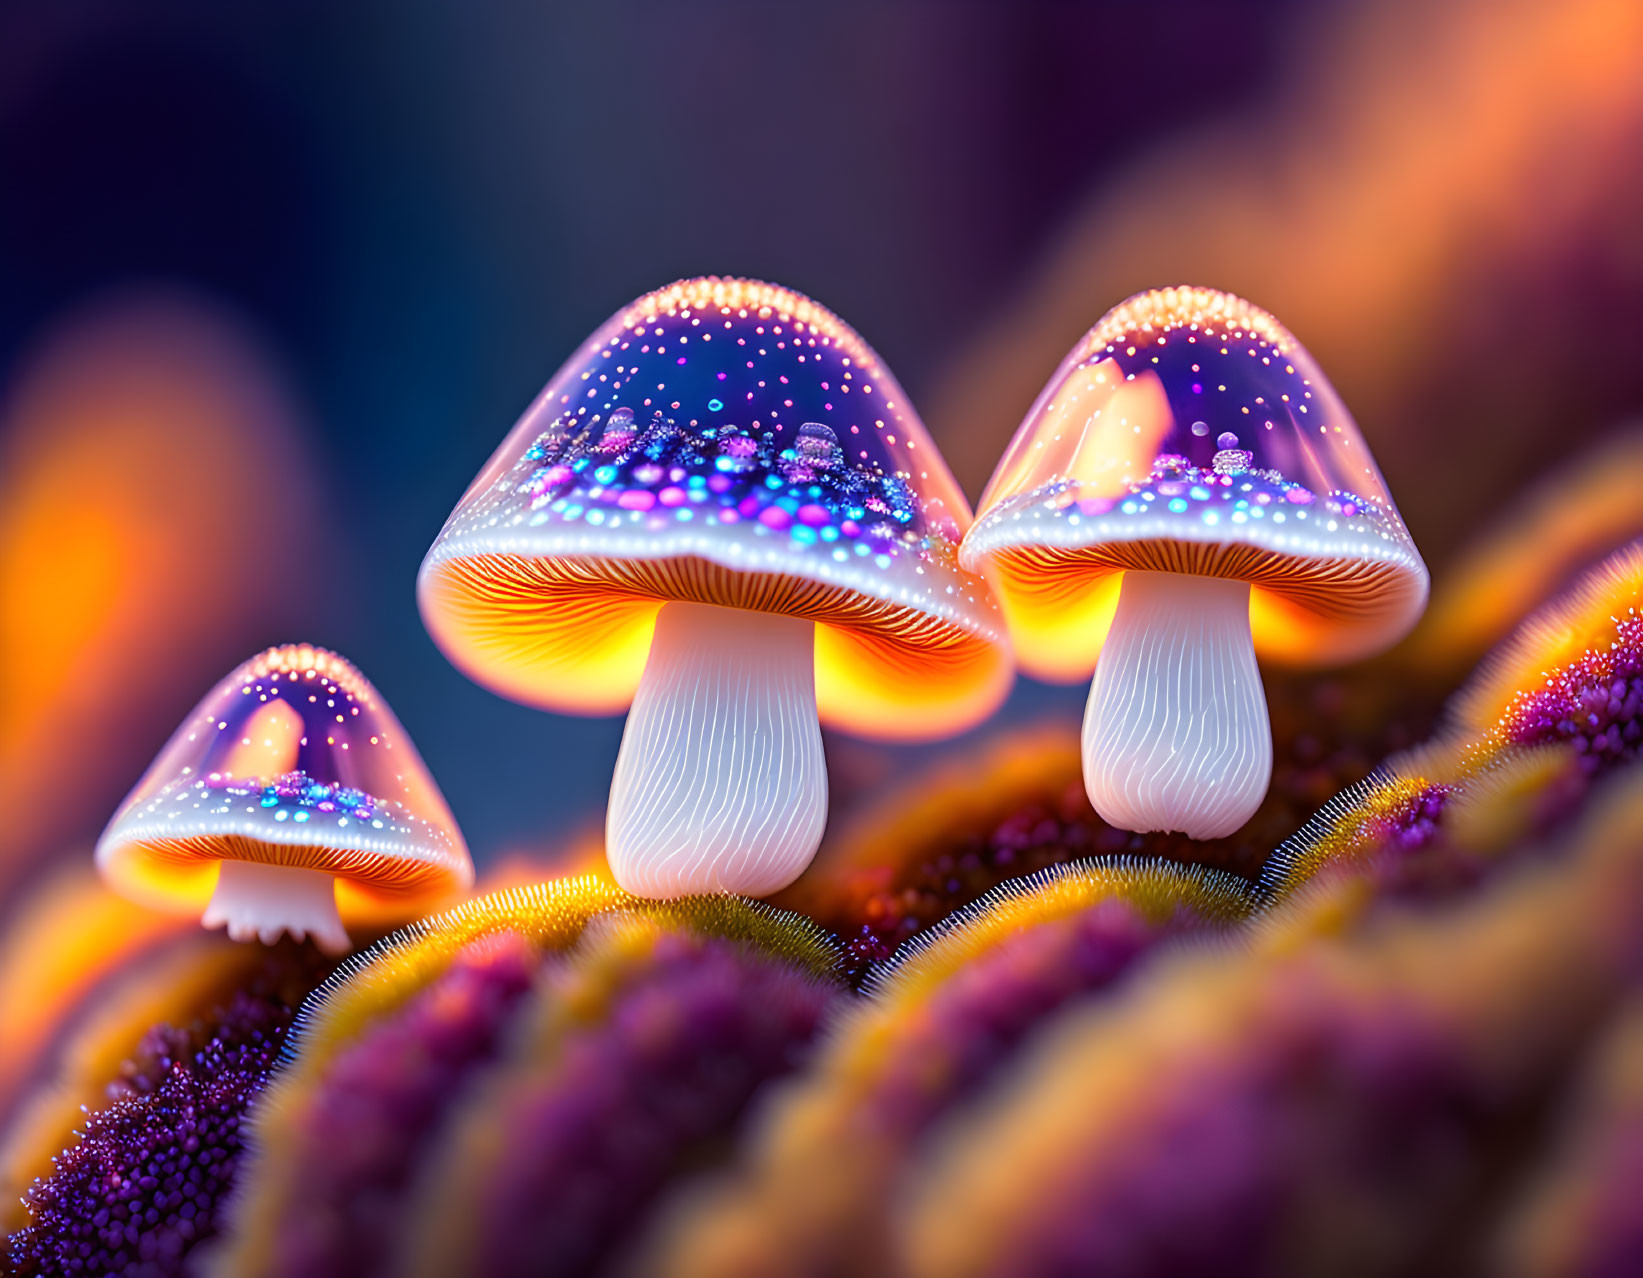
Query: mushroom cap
[1188,431]
[729,442]
[294,759]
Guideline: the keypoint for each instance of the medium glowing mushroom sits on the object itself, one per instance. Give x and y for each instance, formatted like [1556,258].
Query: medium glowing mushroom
[289,800]
[723,510]
[1188,489]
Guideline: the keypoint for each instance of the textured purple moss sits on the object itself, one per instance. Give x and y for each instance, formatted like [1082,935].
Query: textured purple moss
[1416,825]
[1414,859]
[149,1178]
[1333,1121]
[1328,731]
[652,1091]
[1045,830]
[1595,704]
[981,1015]
[364,1129]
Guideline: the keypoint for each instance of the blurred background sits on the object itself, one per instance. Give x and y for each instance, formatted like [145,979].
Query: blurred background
[275,281]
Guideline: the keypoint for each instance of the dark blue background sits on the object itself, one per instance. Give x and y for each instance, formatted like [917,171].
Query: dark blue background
[425,207]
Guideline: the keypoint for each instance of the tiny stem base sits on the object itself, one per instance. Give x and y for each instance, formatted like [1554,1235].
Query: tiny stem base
[255,901]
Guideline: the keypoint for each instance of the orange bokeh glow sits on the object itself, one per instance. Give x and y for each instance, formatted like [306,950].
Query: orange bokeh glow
[64,938]
[149,453]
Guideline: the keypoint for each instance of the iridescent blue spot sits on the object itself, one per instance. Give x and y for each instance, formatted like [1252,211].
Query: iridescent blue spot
[714,405]
[1178,505]
[606,474]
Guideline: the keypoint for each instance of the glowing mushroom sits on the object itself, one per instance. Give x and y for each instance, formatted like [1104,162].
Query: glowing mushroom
[723,510]
[288,800]
[1188,489]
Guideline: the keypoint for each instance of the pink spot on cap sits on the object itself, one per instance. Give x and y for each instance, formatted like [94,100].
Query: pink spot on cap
[671,496]
[775,517]
[637,499]
[814,515]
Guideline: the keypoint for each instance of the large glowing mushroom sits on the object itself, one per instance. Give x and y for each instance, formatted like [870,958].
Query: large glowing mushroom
[723,510]
[1188,489]
[289,800]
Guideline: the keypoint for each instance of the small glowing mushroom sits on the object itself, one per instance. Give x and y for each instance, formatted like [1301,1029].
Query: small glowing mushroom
[1188,489]
[724,511]
[289,799]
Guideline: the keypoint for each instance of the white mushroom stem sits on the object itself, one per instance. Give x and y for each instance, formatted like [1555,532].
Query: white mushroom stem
[1176,735]
[256,901]
[720,785]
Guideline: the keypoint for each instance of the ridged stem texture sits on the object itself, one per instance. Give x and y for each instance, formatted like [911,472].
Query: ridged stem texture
[720,785]
[1176,735]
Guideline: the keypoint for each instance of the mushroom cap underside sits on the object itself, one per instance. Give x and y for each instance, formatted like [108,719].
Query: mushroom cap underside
[572,632]
[1304,609]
